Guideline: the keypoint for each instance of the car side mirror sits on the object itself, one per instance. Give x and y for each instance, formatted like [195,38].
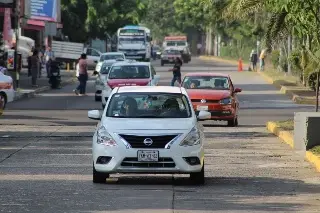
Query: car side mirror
[204,115]
[94,115]
[237,90]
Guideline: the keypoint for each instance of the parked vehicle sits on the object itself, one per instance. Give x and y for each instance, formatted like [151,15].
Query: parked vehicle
[214,93]
[148,130]
[6,91]
[129,73]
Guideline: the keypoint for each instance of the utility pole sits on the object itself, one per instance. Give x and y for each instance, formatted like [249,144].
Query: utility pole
[317,91]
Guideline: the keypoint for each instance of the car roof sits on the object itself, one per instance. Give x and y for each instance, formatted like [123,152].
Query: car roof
[124,63]
[112,53]
[151,89]
[109,61]
[207,74]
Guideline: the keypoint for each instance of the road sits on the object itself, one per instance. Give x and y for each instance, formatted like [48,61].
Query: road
[45,159]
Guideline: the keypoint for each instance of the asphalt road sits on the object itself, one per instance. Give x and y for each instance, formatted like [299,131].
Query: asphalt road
[45,159]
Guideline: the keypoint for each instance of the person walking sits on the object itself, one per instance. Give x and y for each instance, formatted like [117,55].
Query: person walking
[49,56]
[34,60]
[262,59]
[83,75]
[199,47]
[29,61]
[254,60]
[176,70]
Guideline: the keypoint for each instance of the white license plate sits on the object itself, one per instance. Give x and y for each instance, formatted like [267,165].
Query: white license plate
[202,108]
[148,155]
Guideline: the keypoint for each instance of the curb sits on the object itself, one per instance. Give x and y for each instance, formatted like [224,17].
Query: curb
[217,59]
[287,138]
[32,94]
[284,90]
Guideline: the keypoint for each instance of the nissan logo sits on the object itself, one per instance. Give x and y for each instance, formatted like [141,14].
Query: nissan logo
[148,141]
[203,101]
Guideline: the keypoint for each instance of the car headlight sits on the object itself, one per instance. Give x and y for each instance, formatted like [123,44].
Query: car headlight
[226,101]
[193,138]
[104,138]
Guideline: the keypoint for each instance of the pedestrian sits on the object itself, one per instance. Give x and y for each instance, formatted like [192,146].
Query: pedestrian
[262,59]
[3,68]
[254,60]
[40,55]
[49,56]
[29,61]
[77,69]
[83,75]
[176,70]
[34,68]
[199,47]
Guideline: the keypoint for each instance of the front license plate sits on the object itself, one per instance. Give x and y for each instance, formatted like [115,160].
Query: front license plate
[202,108]
[148,155]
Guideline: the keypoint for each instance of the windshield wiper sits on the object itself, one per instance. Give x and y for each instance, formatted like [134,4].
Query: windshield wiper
[148,116]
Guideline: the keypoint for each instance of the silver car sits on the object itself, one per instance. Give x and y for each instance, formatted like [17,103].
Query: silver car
[101,78]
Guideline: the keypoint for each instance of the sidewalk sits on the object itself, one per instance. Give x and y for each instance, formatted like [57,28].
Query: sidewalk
[26,90]
[288,85]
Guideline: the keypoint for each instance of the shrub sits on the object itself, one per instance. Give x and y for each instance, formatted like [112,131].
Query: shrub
[312,80]
[295,60]
[275,54]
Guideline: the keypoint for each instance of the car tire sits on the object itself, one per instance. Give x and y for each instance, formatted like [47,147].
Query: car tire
[103,106]
[97,98]
[198,178]
[233,122]
[162,63]
[99,177]
[3,102]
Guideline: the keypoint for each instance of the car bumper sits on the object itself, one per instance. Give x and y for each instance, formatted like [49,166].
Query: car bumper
[218,112]
[10,95]
[171,161]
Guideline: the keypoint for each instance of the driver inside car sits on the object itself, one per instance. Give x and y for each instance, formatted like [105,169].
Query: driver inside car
[129,107]
[218,83]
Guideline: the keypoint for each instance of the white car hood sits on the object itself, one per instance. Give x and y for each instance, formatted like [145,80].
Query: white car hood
[134,125]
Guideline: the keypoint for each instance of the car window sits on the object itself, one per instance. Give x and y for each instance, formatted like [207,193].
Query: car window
[111,57]
[129,72]
[149,105]
[105,68]
[206,82]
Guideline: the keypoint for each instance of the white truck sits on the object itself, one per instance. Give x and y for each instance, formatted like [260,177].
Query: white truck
[135,42]
[70,52]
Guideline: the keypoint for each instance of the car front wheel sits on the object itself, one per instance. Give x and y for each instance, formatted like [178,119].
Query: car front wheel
[198,177]
[2,103]
[97,98]
[99,177]
[234,122]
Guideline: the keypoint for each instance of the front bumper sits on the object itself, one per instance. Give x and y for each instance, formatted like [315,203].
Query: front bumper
[171,160]
[218,112]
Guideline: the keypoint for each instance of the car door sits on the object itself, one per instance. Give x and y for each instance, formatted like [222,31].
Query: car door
[155,78]
[92,57]
[233,94]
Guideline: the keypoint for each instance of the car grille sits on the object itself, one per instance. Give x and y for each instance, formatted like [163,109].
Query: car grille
[207,101]
[159,142]
[162,163]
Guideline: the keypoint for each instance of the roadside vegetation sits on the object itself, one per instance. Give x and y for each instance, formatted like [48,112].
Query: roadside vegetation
[315,150]
[287,125]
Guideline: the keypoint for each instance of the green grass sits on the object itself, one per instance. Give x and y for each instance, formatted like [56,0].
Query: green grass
[315,150]
[287,125]
[280,76]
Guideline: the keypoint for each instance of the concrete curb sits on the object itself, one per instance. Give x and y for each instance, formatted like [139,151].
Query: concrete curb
[217,59]
[31,94]
[287,138]
[284,89]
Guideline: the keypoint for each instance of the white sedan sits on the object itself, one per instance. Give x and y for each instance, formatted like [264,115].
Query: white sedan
[6,91]
[108,56]
[148,130]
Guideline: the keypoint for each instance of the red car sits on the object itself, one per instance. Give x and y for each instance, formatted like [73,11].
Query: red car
[213,92]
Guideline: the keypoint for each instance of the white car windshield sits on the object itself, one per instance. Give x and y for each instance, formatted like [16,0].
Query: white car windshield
[149,105]
[176,43]
[206,82]
[129,72]
[111,57]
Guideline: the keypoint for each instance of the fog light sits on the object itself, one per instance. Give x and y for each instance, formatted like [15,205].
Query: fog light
[103,159]
[192,160]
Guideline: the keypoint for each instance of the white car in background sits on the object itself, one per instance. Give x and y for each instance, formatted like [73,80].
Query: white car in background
[108,56]
[6,91]
[148,130]
[129,73]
